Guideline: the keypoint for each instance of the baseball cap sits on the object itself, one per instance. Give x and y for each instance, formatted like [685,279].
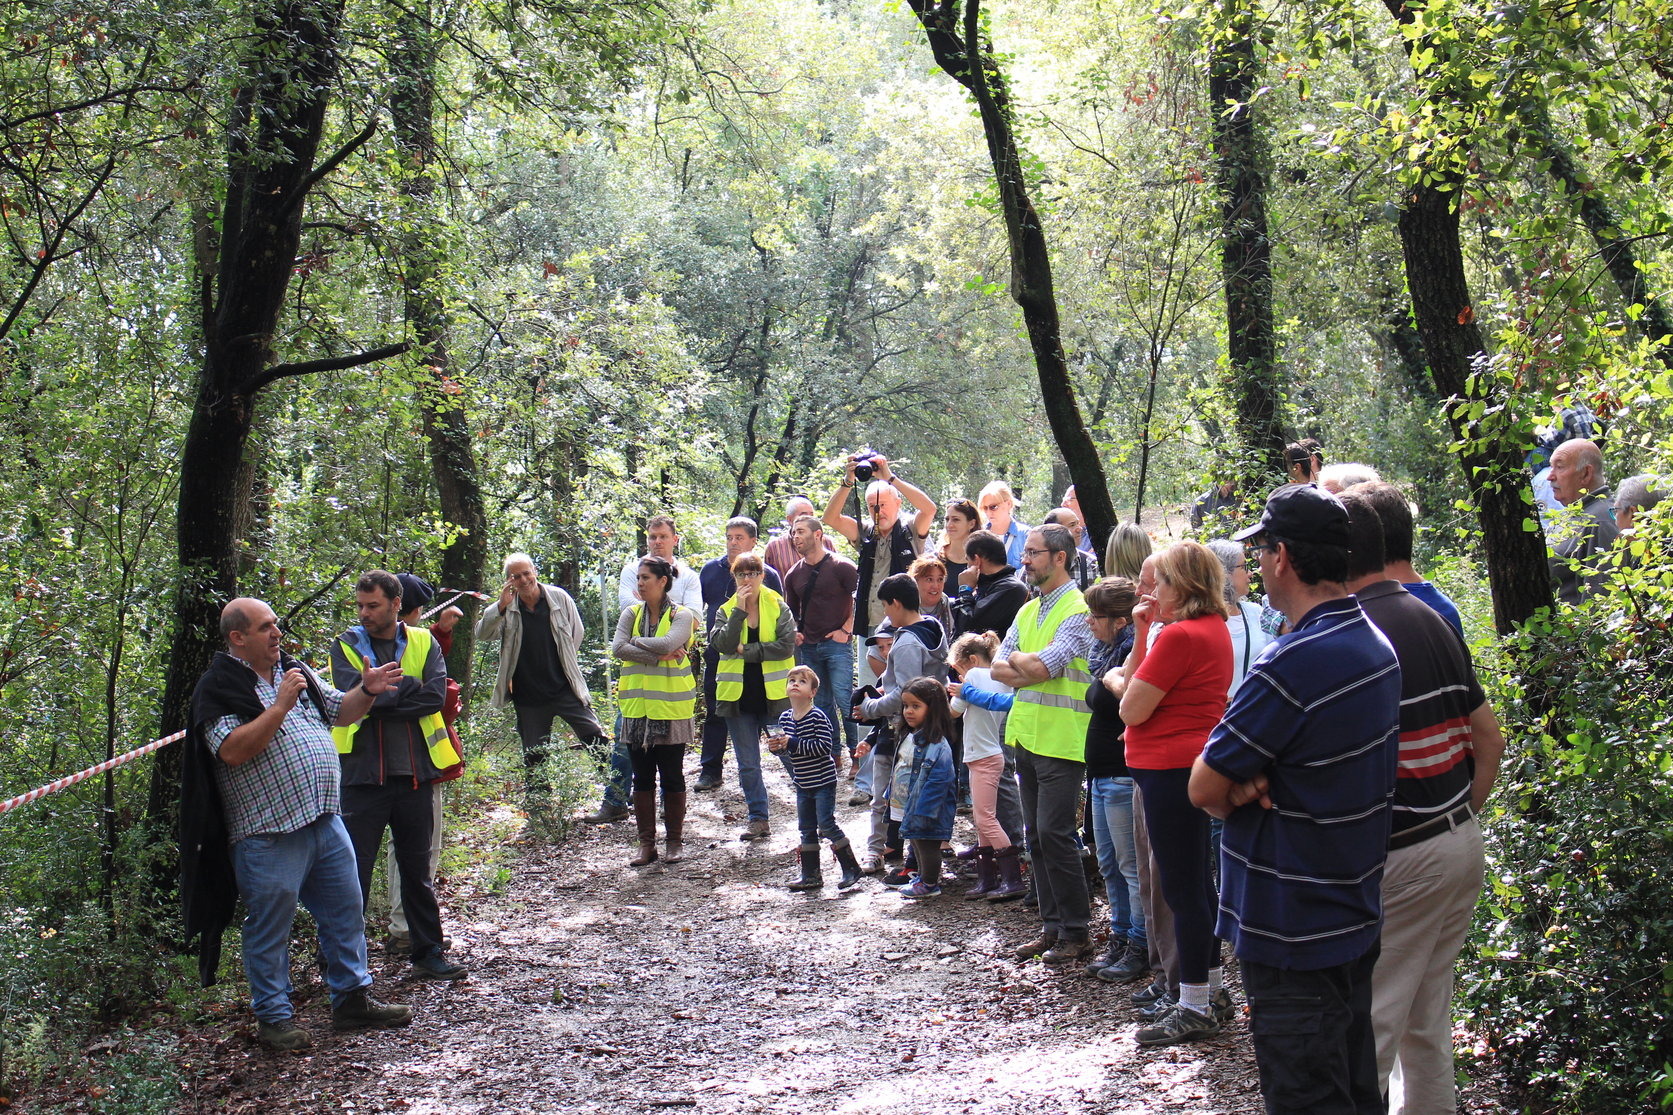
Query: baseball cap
[1301,513]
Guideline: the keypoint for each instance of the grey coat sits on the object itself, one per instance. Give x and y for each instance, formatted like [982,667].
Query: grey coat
[507,627]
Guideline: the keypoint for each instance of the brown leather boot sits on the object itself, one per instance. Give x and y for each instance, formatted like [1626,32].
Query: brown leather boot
[644,819]
[673,822]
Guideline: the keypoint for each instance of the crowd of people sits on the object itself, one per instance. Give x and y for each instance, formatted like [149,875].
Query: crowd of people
[1296,776]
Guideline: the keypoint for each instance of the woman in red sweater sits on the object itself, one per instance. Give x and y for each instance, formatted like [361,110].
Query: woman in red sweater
[1173,696]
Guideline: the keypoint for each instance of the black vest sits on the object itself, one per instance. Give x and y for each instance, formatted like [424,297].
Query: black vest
[901,556]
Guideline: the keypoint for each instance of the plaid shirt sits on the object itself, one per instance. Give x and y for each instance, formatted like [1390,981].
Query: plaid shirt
[1073,639]
[294,781]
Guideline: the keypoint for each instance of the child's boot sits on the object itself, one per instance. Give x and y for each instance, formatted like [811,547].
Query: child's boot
[987,875]
[1010,876]
[810,878]
[844,854]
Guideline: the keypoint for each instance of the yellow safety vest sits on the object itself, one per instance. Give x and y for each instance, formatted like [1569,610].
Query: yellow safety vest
[729,674]
[1051,718]
[413,658]
[656,691]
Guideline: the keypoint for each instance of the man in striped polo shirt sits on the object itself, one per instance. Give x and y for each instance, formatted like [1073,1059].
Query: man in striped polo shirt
[1450,745]
[1302,769]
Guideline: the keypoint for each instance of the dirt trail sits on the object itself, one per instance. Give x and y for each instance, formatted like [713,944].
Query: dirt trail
[706,986]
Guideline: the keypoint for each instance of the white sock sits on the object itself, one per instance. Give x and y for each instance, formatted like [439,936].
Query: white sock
[1194,996]
[1214,977]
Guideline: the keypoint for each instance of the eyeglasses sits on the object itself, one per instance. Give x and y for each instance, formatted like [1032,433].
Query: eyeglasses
[992,506]
[1032,553]
[1252,550]
[748,573]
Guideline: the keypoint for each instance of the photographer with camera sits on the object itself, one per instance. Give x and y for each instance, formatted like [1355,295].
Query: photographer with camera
[900,542]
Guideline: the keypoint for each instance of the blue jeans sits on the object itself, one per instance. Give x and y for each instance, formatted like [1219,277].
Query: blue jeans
[816,816]
[746,729]
[1118,862]
[316,866]
[834,663]
[620,778]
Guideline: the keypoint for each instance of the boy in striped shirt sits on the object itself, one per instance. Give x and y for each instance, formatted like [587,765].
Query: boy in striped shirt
[806,735]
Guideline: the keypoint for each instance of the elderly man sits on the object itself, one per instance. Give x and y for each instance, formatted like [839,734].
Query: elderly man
[539,630]
[1586,531]
[1084,568]
[1637,493]
[267,720]
[887,545]
[1301,768]
[1450,746]
[1044,658]
[393,759]
[1083,537]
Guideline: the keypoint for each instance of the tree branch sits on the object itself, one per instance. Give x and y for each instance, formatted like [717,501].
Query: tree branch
[331,164]
[327,364]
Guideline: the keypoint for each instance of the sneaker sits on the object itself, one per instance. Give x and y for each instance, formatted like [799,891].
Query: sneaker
[1112,954]
[359,1011]
[707,782]
[1150,992]
[437,966]
[283,1035]
[899,877]
[757,830]
[919,889]
[1160,1007]
[859,797]
[871,865]
[1067,950]
[1181,1023]
[1129,965]
[1221,1006]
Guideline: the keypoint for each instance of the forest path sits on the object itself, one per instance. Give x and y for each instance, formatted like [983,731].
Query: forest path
[705,986]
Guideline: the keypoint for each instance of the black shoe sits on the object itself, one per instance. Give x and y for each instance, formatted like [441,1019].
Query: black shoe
[438,967]
[1150,992]
[1112,954]
[1129,965]
[359,1011]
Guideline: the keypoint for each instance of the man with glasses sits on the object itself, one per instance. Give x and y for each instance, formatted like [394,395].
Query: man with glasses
[996,503]
[900,542]
[1301,768]
[1045,659]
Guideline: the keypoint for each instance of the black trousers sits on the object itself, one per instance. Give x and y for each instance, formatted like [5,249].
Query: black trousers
[534,727]
[409,815]
[1313,1039]
[666,760]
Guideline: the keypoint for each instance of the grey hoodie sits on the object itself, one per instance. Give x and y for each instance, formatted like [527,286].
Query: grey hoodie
[919,650]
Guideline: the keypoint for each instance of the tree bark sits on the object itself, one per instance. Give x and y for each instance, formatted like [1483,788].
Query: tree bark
[278,119]
[1246,252]
[452,459]
[960,54]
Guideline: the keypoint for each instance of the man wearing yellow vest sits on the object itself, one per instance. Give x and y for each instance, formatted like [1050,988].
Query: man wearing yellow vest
[1044,658]
[391,758]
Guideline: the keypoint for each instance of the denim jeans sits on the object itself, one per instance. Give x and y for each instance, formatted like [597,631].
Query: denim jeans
[816,816]
[316,866]
[834,663]
[746,729]
[1112,830]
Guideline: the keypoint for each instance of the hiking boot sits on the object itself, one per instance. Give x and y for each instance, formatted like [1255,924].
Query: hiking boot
[756,830]
[437,966]
[1112,954]
[605,815]
[851,872]
[359,1011]
[283,1035]
[810,877]
[1150,992]
[859,797]
[1180,1023]
[1067,950]
[919,889]
[1035,947]
[1130,965]
[1221,1006]
[707,782]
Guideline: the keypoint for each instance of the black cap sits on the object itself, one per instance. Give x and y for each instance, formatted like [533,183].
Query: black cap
[1302,513]
[415,591]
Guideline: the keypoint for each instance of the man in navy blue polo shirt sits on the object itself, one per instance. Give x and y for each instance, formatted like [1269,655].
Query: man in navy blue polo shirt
[1302,770]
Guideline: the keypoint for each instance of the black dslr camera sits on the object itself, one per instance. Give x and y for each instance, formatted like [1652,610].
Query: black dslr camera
[864,470]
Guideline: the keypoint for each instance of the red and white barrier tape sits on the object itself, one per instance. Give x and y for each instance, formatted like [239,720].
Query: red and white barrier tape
[82,776]
[458,594]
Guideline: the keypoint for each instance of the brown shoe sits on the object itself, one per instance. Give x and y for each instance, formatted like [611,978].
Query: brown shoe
[359,1011]
[283,1035]
[673,823]
[1038,946]
[1067,950]
[644,818]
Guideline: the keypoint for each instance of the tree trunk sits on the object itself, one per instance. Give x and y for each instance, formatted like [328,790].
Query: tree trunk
[960,54]
[452,460]
[278,119]
[1246,253]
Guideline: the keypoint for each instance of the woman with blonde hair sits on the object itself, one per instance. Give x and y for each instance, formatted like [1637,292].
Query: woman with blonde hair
[1124,555]
[1173,692]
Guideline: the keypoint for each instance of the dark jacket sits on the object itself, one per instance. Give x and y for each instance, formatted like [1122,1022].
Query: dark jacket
[994,604]
[208,887]
[394,713]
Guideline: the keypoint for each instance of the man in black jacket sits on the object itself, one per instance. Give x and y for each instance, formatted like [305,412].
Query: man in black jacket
[990,592]
[391,759]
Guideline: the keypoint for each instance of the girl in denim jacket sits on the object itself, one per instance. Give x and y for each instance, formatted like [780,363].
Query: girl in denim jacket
[930,802]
